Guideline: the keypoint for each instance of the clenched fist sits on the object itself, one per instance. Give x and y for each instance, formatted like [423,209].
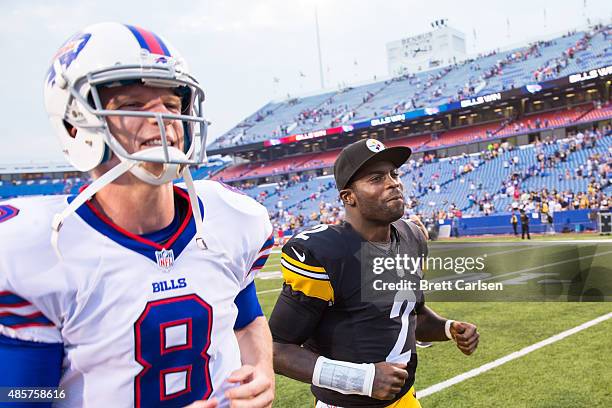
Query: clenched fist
[388,380]
[466,336]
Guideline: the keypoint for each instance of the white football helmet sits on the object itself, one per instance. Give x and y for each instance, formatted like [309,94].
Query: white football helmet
[114,54]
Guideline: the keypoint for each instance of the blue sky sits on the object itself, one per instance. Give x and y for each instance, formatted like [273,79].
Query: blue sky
[236,47]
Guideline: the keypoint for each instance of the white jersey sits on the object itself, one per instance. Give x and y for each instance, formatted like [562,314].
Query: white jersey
[141,325]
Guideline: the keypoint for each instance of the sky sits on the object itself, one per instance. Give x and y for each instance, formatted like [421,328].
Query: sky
[236,48]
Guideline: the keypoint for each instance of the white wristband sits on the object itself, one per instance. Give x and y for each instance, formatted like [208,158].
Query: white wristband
[343,376]
[447,327]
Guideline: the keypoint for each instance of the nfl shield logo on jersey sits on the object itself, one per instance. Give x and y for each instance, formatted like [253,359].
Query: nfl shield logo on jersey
[165,258]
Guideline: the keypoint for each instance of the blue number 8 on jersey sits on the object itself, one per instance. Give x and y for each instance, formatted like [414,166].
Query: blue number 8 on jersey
[172,337]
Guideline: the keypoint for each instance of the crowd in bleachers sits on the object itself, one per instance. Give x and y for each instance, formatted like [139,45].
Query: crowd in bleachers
[538,121]
[514,193]
[553,67]
[43,185]
[491,72]
[572,173]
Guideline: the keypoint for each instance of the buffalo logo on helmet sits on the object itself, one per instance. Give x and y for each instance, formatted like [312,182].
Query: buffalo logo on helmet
[375,146]
[68,53]
[7,212]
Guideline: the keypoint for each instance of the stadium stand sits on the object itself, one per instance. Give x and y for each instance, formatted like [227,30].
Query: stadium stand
[489,73]
[466,134]
[474,185]
[44,185]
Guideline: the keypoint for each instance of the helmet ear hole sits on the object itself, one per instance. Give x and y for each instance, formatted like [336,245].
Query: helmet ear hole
[90,100]
[186,96]
[72,131]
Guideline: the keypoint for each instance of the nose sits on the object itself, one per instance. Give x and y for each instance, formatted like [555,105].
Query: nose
[393,182]
[158,106]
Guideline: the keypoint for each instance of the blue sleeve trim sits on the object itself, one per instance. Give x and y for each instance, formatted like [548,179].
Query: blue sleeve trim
[16,321]
[8,299]
[30,364]
[260,262]
[248,306]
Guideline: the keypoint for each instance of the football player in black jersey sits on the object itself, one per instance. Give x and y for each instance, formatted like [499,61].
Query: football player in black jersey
[355,352]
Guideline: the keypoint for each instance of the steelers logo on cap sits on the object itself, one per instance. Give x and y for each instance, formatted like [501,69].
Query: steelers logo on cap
[375,146]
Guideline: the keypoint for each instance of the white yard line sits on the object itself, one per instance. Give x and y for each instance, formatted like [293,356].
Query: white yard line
[262,292]
[581,241]
[512,356]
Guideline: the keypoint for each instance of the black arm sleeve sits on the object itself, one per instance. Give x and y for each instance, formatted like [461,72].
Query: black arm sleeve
[295,316]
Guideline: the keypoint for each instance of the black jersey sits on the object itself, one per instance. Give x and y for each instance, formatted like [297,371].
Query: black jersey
[321,307]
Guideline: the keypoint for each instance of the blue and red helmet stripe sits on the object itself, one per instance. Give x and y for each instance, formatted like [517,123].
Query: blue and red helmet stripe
[149,41]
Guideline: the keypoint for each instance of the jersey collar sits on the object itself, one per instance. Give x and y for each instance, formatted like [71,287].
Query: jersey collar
[177,242]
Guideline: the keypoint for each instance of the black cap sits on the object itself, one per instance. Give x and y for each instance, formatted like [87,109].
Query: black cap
[354,156]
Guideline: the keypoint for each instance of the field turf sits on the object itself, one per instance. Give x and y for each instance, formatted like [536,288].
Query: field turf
[573,372]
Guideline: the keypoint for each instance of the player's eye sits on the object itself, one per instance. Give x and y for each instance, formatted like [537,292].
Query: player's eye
[131,105]
[173,106]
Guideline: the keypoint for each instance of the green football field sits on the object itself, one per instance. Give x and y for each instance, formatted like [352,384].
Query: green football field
[544,371]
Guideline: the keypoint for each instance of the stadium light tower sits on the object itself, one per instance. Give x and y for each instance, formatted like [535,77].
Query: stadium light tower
[319,47]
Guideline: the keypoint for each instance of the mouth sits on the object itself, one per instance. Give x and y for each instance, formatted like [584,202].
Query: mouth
[157,142]
[396,197]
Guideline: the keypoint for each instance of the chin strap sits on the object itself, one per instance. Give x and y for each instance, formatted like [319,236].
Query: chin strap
[195,208]
[93,188]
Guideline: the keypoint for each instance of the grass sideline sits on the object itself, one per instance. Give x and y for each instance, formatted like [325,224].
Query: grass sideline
[574,372]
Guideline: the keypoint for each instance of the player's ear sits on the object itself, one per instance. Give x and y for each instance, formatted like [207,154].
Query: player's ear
[348,197]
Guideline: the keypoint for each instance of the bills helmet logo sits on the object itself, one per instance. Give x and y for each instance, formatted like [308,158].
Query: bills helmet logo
[68,53]
[165,258]
[7,212]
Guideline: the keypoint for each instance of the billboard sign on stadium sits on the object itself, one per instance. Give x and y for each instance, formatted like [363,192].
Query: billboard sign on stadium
[387,119]
[303,136]
[479,100]
[592,74]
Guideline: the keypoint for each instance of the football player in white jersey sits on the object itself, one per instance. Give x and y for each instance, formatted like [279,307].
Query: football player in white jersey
[135,292]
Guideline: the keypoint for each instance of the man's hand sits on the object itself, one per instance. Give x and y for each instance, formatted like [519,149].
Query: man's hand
[466,336]
[388,380]
[212,403]
[256,389]
[419,224]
